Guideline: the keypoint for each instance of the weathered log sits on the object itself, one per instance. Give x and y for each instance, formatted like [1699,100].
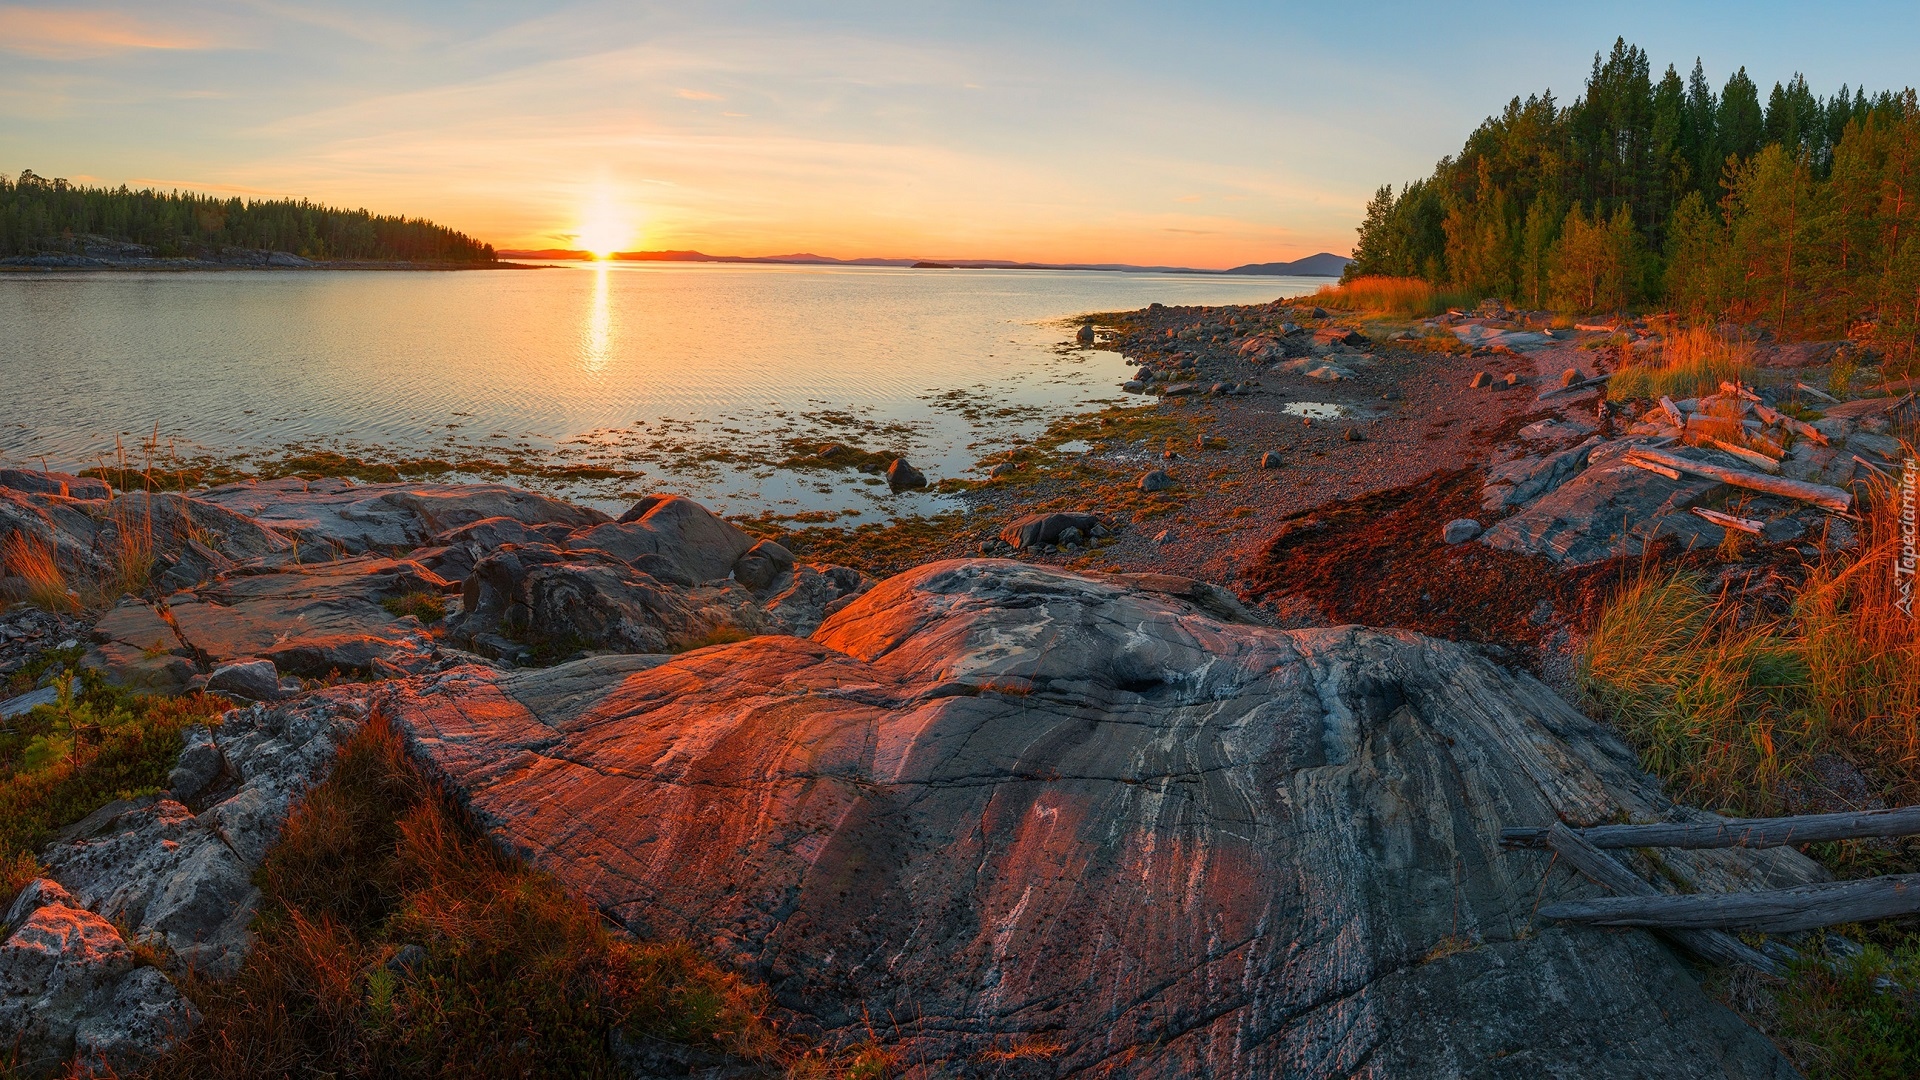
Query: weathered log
[1673,412]
[1714,946]
[1776,911]
[1576,387]
[1728,521]
[1739,390]
[1756,457]
[1821,495]
[1821,394]
[1737,832]
[1651,467]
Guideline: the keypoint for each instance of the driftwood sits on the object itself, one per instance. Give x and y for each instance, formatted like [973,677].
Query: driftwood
[1715,946]
[1777,911]
[1740,391]
[1821,394]
[1651,467]
[1830,498]
[1728,521]
[1673,412]
[1577,386]
[1759,459]
[1737,832]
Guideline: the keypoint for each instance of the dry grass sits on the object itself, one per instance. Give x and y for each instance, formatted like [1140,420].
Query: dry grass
[1691,362]
[130,564]
[31,559]
[1727,706]
[1412,297]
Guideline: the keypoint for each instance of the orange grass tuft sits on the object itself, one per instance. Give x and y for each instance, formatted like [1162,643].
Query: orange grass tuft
[1390,296]
[31,559]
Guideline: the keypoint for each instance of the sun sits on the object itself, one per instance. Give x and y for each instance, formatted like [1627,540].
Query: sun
[605,227]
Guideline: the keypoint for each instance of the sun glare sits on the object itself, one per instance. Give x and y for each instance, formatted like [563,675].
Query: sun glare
[605,227]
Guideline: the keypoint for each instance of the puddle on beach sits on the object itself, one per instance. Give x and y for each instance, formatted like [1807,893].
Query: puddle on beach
[1316,410]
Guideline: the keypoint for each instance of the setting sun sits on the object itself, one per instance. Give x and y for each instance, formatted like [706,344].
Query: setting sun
[605,227]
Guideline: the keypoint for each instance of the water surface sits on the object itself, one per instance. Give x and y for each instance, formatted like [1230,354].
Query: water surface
[683,377]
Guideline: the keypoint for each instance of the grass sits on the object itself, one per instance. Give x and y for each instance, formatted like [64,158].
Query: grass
[1411,297]
[1836,1023]
[427,607]
[1691,362]
[503,974]
[31,559]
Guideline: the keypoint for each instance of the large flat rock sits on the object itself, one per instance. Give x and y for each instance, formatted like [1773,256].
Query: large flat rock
[991,805]
[359,518]
[1609,511]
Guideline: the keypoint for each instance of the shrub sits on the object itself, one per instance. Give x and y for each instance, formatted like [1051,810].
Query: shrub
[1411,297]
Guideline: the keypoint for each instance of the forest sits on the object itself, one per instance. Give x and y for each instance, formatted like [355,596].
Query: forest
[1800,215]
[38,214]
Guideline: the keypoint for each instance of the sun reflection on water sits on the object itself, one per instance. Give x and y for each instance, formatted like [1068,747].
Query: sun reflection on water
[596,340]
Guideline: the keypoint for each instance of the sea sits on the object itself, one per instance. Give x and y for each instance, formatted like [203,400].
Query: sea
[592,381]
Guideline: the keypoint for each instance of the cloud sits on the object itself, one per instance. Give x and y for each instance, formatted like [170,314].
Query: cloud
[79,35]
[697,95]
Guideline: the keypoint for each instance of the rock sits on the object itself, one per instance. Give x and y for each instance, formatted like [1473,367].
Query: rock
[1353,434]
[1005,468]
[340,515]
[59,525]
[1270,460]
[1134,386]
[65,485]
[813,593]
[193,539]
[200,764]
[1181,389]
[1607,511]
[138,649]
[1070,537]
[1556,428]
[1339,335]
[1519,481]
[1482,380]
[1163,537]
[1157,480]
[29,701]
[1569,376]
[69,988]
[1085,336]
[1035,530]
[1886,446]
[1460,530]
[762,565]
[251,680]
[1064,807]
[672,538]
[904,477]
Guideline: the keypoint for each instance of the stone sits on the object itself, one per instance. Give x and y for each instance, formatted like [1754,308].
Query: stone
[1085,335]
[813,593]
[1005,468]
[65,485]
[59,525]
[670,537]
[1270,460]
[1482,380]
[1134,386]
[29,701]
[1460,530]
[1163,537]
[328,516]
[1035,530]
[199,765]
[762,565]
[1017,803]
[1339,335]
[1157,480]
[193,539]
[252,680]
[1353,434]
[902,476]
[1070,537]
[1569,376]
[1608,511]
[1518,481]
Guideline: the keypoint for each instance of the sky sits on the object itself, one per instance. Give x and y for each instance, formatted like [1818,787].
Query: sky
[1198,134]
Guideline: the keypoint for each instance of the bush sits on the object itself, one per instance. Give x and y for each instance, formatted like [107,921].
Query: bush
[1411,297]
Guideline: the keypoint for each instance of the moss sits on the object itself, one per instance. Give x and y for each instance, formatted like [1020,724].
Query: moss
[427,607]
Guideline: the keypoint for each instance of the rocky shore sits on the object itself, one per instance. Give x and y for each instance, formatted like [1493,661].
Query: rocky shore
[1116,787]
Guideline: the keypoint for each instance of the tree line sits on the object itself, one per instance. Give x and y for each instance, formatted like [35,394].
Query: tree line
[38,214]
[1802,214]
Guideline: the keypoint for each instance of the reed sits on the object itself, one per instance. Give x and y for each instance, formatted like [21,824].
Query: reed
[31,559]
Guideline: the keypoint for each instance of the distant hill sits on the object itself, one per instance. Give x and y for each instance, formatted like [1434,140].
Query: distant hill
[1325,264]
[1322,265]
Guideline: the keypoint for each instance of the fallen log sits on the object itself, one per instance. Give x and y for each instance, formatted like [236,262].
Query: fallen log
[1576,387]
[1821,394]
[1714,946]
[1673,412]
[1774,911]
[1821,495]
[1736,832]
[1651,467]
[1801,427]
[1728,521]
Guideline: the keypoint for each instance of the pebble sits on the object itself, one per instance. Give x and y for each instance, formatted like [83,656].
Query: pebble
[1165,536]
[1482,380]
[1353,435]
[1157,480]
[1270,460]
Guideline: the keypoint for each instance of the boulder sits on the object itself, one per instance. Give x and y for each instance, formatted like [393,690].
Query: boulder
[763,564]
[339,515]
[1037,530]
[1157,480]
[58,525]
[1085,334]
[1460,530]
[251,680]
[671,538]
[1018,805]
[812,593]
[1271,460]
[902,476]
[137,648]
[1519,481]
[191,539]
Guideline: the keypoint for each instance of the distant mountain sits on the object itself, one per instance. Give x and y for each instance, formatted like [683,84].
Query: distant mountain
[1321,265]
[1325,264]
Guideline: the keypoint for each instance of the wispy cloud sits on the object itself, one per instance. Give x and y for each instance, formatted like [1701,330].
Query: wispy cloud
[78,35]
[697,95]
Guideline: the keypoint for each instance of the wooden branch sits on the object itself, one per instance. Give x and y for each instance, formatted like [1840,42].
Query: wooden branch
[1673,412]
[1576,387]
[1830,498]
[1739,391]
[1651,467]
[1714,946]
[1775,911]
[1821,394]
[1737,832]
[1728,521]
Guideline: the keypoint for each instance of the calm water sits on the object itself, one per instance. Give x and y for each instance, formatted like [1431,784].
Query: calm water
[649,369]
